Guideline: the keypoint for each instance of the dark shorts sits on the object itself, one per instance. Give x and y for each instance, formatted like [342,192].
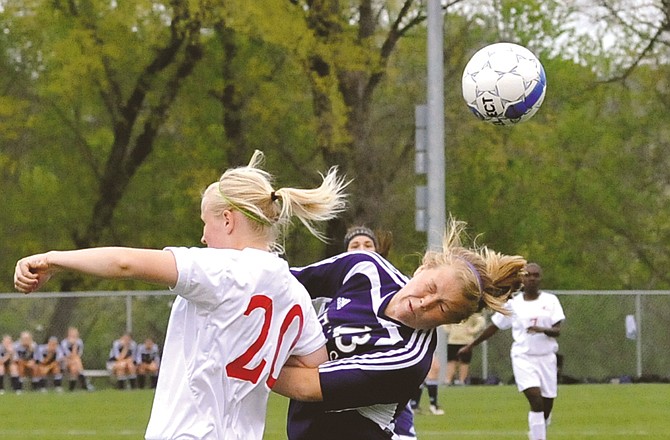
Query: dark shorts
[452,354]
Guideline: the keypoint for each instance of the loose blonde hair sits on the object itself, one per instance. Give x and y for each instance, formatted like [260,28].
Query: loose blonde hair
[488,276]
[248,189]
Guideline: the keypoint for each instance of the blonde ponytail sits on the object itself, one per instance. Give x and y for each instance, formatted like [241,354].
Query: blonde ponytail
[488,277]
[505,272]
[314,205]
[249,190]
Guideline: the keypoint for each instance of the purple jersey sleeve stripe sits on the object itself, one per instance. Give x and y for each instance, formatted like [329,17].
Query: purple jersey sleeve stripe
[385,360]
[391,271]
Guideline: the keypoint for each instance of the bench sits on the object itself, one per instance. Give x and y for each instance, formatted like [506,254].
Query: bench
[96,373]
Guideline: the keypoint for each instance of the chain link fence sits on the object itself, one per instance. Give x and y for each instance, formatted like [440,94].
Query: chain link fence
[594,343]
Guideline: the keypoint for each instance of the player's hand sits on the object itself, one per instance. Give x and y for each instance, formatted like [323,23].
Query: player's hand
[535,329]
[31,273]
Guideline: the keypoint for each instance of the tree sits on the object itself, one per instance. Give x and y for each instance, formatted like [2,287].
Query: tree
[110,74]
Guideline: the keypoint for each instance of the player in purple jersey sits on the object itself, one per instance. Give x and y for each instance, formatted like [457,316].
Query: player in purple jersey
[361,238]
[380,328]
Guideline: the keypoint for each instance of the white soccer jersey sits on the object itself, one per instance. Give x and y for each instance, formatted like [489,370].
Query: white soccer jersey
[238,317]
[545,311]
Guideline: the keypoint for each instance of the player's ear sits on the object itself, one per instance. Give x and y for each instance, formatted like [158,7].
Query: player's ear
[228,220]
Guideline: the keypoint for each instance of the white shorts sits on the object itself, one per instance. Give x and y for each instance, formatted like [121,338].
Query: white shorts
[536,371]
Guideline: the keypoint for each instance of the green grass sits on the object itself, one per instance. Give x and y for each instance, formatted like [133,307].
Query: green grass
[593,412]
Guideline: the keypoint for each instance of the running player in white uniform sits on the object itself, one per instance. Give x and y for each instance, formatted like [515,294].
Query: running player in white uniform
[239,315]
[535,319]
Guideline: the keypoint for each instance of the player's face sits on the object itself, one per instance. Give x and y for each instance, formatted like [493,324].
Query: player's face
[26,339]
[361,243]
[532,277]
[434,296]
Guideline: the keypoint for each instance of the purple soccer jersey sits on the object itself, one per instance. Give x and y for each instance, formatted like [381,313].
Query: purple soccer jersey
[375,363]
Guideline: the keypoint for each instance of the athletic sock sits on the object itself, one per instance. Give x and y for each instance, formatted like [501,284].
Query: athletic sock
[416,399]
[536,425]
[73,384]
[154,382]
[432,392]
[2,381]
[58,381]
[82,381]
[141,380]
[16,383]
[133,382]
[547,421]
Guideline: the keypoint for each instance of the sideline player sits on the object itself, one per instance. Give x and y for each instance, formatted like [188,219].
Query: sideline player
[239,315]
[25,351]
[535,320]
[122,361]
[49,362]
[73,349]
[147,361]
[460,335]
[380,327]
[7,364]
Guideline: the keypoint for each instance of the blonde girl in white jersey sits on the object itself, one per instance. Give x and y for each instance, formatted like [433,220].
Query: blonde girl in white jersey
[239,315]
[535,319]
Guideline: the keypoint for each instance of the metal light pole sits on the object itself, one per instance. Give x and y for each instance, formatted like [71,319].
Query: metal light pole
[435,126]
[435,192]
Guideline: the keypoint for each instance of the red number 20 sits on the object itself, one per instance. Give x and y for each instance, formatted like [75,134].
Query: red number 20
[239,367]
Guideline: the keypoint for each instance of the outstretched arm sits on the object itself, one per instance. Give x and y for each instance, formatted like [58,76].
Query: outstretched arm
[487,333]
[154,266]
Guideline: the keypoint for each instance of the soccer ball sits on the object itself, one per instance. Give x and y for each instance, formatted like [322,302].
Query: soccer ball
[504,84]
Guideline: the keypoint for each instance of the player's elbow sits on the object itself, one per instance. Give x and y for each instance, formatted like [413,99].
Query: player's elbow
[124,267]
[300,384]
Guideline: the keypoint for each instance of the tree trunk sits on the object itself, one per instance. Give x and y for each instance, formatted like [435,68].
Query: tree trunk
[181,54]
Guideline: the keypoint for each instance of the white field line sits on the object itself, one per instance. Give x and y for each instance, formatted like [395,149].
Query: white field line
[45,433]
[423,434]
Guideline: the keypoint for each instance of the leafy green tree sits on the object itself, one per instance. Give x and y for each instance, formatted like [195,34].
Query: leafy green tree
[105,75]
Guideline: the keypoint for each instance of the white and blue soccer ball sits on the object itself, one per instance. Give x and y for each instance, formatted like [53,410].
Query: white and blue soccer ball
[504,84]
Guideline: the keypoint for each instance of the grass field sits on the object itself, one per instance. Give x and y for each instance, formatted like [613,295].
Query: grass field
[594,412]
